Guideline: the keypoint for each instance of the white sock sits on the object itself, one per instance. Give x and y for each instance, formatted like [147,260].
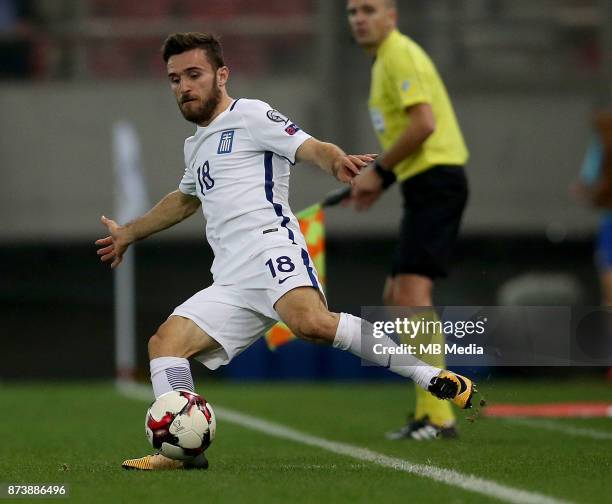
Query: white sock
[170,373]
[349,337]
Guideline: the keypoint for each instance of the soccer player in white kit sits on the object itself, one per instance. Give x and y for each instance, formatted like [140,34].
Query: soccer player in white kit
[237,168]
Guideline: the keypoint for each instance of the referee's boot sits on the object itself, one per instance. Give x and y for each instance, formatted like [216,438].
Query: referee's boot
[453,387]
[159,462]
[422,430]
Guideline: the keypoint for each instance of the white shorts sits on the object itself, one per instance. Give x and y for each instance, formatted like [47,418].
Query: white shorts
[238,315]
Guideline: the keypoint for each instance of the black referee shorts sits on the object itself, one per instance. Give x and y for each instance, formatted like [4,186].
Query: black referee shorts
[434,201]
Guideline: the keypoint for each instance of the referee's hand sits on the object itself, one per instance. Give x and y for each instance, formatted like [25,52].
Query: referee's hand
[367,188]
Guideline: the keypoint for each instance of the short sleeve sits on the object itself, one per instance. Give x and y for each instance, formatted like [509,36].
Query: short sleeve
[273,131]
[187,184]
[408,80]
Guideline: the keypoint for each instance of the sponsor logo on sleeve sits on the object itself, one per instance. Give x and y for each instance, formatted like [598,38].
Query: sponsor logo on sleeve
[405,85]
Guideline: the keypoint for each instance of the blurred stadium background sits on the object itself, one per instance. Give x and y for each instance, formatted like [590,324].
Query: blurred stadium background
[524,76]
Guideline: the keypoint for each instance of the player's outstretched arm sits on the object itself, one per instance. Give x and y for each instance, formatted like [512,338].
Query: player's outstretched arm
[333,159]
[171,210]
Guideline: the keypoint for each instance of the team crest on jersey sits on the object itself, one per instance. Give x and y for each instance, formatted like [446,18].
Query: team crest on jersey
[225,143]
[292,129]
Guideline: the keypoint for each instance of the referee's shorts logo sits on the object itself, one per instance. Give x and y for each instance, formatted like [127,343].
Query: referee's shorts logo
[225,143]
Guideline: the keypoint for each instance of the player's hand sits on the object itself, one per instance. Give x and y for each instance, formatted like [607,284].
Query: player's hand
[367,188]
[346,168]
[114,246]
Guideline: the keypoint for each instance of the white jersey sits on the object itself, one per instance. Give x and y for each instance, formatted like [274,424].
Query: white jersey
[238,166]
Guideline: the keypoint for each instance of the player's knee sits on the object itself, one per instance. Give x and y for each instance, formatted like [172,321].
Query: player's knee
[415,291]
[164,344]
[405,300]
[155,346]
[410,298]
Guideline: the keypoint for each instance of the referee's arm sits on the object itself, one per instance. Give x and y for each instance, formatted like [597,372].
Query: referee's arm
[422,125]
[372,183]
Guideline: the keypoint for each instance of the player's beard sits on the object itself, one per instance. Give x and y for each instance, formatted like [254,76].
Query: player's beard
[205,111]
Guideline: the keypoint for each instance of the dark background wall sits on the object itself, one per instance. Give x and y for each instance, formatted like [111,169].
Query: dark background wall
[56,306]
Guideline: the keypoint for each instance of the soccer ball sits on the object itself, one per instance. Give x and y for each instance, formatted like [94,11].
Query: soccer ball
[180,424]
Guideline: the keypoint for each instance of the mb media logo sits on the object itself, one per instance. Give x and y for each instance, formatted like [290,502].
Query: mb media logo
[225,144]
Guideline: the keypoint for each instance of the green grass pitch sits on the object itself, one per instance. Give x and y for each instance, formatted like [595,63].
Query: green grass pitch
[79,434]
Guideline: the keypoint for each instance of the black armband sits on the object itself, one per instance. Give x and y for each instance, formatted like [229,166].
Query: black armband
[387,176]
